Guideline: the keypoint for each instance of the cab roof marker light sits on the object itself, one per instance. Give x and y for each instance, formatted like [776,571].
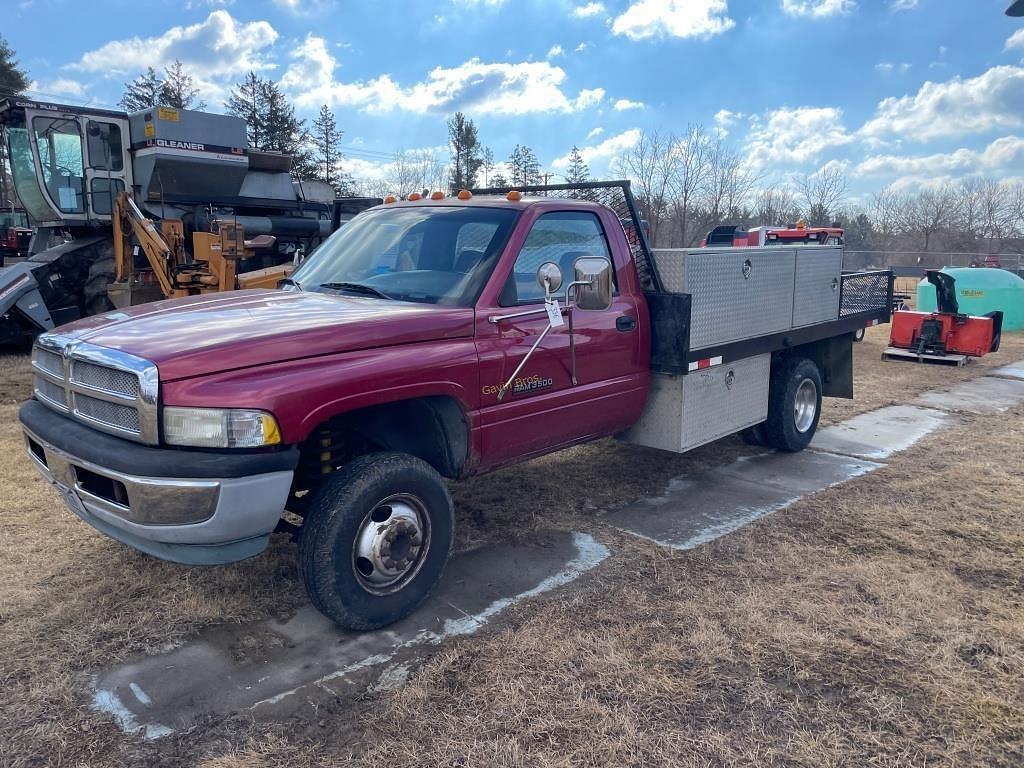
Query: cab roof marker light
[389,199]
[414,196]
[438,195]
[514,195]
[465,194]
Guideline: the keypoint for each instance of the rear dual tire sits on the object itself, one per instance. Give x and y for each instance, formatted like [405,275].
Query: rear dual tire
[794,407]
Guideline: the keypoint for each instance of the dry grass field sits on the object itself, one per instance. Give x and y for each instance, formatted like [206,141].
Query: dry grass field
[877,623]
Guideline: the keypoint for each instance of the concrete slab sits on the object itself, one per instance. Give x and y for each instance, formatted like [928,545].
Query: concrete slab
[275,668]
[698,508]
[987,394]
[879,434]
[1013,370]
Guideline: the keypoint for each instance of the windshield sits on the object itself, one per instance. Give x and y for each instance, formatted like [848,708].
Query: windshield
[23,170]
[432,254]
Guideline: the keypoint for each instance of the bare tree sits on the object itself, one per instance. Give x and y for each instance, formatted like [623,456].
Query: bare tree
[649,164]
[689,171]
[776,205]
[822,193]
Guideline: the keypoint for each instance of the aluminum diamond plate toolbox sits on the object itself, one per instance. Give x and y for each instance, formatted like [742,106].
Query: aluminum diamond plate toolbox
[818,276]
[738,293]
[684,412]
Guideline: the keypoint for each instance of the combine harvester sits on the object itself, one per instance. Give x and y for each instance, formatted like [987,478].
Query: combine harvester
[131,208]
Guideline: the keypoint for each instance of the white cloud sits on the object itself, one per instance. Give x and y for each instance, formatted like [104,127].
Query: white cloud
[554,51]
[1016,40]
[886,67]
[817,9]
[595,132]
[219,46]
[904,5]
[500,88]
[1002,154]
[795,136]
[602,153]
[590,9]
[726,119]
[623,104]
[580,48]
[992,100]
[61,86]
[646,19]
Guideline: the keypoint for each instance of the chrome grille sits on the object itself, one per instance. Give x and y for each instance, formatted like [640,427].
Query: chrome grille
[121,417]
[51,392]
[111,380]
[50,362]
[109,390]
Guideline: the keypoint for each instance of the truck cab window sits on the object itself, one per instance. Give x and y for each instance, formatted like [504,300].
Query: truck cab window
[60,157]
[561,237]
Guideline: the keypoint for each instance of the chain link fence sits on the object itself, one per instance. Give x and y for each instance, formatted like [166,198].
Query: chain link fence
[906,263]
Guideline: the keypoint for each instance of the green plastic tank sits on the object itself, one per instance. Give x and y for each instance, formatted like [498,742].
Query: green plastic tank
[981,290]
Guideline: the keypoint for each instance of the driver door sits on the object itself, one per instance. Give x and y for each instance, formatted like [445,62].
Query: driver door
[107,169]
[543,409]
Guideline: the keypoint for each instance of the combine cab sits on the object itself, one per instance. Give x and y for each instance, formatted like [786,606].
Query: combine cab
[186,173]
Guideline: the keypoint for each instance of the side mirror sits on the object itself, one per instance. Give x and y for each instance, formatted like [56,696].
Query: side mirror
[592,283]
[549,277]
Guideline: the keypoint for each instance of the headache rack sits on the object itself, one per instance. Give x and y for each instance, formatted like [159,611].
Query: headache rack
[615,195]
[733,303]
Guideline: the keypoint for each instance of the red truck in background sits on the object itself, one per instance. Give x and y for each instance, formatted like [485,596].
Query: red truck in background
[15,235]
[731,235]
[429,340]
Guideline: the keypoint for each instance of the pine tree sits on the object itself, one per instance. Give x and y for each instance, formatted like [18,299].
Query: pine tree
[498,181]
[13,79]
[178,89]
[247,101]
[466,152]
[327,143]
[531,168]
[516,166]
[578,172]
[142,92]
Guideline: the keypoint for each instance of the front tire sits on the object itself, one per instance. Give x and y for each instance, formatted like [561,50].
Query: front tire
[376,539]
[794,404]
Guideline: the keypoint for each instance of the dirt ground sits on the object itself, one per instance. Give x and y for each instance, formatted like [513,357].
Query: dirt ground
[877,623]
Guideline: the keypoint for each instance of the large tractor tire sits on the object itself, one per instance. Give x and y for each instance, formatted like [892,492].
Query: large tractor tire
[101,275]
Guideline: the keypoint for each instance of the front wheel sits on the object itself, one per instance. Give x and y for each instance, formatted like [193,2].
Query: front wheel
[794,404]
[376,539]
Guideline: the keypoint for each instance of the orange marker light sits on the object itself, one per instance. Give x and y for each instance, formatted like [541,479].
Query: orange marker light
[389,200]
[515,196]
[439,195]
[414,196]
[465,194]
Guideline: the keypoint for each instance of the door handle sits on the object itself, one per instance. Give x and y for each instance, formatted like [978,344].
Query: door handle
[625,323]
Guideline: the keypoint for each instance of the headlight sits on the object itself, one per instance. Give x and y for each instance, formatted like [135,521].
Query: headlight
[219,427]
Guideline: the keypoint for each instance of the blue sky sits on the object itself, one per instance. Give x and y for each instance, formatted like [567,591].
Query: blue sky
[898,91]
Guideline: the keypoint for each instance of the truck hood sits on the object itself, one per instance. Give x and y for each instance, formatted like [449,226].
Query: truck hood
[218,332]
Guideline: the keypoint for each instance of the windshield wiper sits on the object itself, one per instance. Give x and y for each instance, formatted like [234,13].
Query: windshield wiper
[369,290]
[289,281]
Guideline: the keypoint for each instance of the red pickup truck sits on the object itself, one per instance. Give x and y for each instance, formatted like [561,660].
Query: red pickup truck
[425,341]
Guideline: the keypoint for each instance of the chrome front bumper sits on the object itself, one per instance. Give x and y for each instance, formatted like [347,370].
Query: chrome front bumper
[205,521]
